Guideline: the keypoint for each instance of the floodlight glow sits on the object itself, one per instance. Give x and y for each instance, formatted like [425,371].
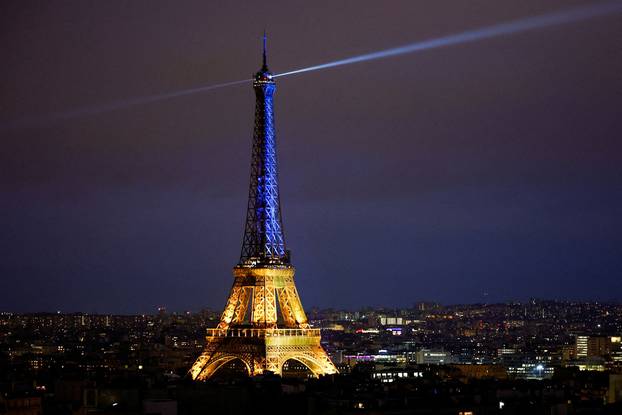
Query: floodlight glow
[116,105]
[516,26]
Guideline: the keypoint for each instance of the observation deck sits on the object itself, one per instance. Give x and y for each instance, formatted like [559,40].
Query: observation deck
[261,332]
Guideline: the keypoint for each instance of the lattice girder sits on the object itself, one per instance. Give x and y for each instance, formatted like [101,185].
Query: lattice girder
[259,289]
[263,239]
[258,342]
[263,349]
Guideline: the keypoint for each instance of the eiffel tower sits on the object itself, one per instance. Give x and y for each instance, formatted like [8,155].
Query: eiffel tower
[263,324]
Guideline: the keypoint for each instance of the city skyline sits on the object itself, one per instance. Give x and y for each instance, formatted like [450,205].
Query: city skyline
[481,172]
[525,358]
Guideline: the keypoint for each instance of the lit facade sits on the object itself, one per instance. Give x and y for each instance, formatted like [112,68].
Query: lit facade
[581,343]
[536,371]
[434,357]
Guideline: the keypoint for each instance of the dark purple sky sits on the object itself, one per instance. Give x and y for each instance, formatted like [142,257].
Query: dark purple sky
[492,167]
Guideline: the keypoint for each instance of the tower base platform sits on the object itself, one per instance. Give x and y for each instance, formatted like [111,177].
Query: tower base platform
[262,349]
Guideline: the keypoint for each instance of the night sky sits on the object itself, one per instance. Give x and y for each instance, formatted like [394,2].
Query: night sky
[489,171]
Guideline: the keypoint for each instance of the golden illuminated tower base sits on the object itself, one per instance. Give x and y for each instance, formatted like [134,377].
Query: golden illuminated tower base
[250,328]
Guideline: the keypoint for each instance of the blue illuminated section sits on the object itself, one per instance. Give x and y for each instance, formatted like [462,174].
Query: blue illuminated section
[263,241]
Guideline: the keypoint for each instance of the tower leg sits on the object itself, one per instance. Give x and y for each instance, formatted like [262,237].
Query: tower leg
[259,343]
[221,350]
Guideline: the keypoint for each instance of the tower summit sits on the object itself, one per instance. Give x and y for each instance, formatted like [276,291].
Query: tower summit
[263,241]
[263,324]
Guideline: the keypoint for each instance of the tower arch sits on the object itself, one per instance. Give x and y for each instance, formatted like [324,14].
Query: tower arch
[219,362]
[314,366]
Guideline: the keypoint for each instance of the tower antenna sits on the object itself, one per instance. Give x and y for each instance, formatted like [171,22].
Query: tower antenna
[265,63]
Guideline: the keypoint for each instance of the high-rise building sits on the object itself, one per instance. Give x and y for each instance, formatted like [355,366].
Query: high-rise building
[581,346]
[596,346]
[263,324]
[616,348]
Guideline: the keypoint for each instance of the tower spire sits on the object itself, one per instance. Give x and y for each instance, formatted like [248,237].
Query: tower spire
[265,61]
[263,233]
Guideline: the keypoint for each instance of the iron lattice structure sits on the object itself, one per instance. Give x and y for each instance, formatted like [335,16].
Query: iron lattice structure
[263,323]
[263,234]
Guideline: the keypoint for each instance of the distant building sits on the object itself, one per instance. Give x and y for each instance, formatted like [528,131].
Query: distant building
[614,393]
[505,351]
[616,348]
[388,375]
[531,371]
[391,321]
[568,352]
[424,306]
[434,357]
[581,346]
[598,346]
[482,371]
[592,364]
[21,405]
